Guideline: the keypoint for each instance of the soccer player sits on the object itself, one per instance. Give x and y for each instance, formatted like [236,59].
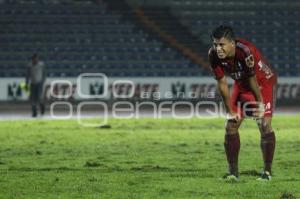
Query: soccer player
[253,94]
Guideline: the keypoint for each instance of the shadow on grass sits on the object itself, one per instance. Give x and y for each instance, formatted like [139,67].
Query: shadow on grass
[250,173]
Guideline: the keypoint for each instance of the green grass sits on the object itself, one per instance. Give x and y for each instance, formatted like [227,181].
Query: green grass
[144,158]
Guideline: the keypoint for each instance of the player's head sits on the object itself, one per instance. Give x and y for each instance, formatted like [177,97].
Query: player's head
[223,39]
[35,58]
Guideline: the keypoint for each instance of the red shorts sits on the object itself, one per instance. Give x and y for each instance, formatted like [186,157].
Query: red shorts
[243,101]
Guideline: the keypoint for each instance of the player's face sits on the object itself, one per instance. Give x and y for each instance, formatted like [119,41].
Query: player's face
[35,60]
[224,47]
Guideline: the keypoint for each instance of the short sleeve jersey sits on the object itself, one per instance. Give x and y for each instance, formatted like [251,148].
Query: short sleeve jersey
[247,62]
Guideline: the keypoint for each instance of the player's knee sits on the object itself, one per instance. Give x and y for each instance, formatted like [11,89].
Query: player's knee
[231,127]
[265,127]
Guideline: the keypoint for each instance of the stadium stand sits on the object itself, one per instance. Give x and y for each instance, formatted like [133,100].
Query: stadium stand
[94,36]
[271,25]
[75,38]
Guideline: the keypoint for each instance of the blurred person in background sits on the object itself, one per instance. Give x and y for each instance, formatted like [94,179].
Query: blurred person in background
[35,79]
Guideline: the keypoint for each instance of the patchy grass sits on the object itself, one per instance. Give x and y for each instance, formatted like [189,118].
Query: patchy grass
[143,158]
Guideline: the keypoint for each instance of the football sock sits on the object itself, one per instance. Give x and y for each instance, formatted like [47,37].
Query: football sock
[267,145]
[232,149]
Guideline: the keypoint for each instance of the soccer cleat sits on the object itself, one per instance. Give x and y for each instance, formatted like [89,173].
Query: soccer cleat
[230,178]
[265,176]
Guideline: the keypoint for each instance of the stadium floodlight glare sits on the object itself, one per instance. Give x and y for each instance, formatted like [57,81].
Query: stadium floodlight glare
[93,103]
[63,117]
[123,82]
[56,84]
[92,75]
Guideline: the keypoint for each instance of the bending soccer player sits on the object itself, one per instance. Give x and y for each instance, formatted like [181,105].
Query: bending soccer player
[252,95]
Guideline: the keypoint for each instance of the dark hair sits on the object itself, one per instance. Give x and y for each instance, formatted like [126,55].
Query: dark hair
[34,56]
[223,31]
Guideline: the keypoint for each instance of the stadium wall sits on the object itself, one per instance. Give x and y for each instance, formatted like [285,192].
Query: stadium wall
[100,87]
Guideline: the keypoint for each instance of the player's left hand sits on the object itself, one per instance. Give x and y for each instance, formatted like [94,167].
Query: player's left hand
[260,110]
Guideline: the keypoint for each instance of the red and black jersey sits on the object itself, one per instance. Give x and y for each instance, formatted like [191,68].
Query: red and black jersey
[247,62]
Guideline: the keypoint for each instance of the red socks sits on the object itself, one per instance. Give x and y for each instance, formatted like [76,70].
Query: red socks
[232,149]
[267,145]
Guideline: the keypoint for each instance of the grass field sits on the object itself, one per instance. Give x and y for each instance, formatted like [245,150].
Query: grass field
[144,158]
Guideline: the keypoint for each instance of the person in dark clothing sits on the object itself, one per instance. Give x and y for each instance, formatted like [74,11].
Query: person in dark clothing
[35,78]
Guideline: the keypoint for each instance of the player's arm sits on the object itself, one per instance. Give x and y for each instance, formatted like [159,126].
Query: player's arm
[225,94]
[255,88]
[257,94]
[252,60]
[222,85]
